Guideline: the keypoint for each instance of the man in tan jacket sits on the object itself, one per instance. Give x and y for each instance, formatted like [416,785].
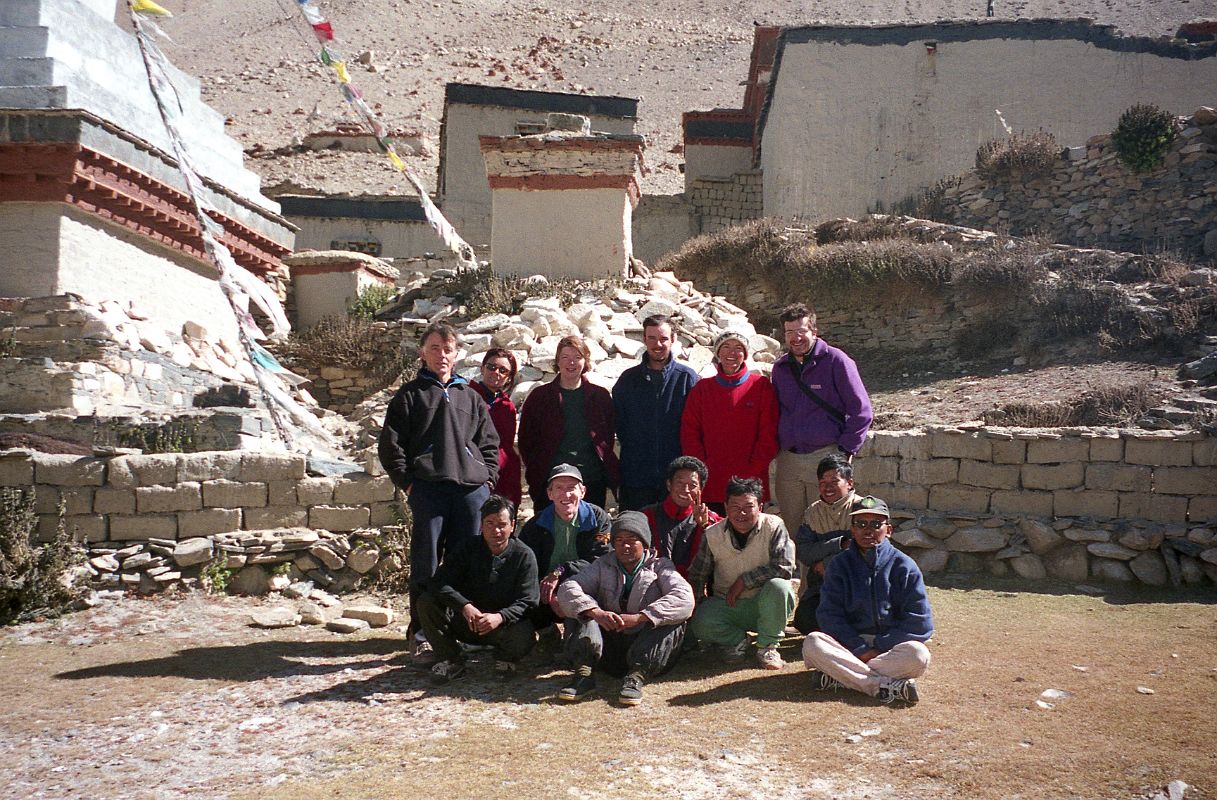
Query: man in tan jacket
[748,560]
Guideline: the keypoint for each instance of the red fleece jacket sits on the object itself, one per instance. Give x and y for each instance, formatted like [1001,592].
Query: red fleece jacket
[731,423]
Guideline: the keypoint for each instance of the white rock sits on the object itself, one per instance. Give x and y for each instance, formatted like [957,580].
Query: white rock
[610,369]
[198,550]
[543,352]
[582,313]
[596,331]
[486,324]
[630,348]
[346,625]
[657,305]
[277,617]
[760,343]
[477,343]
[699,358]
[376,616]
[362,559]
[514,336]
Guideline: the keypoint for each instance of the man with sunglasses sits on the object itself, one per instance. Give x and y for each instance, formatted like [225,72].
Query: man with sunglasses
[874,615]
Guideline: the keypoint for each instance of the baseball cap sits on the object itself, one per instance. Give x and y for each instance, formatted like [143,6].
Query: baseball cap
[564,470]
[870,505]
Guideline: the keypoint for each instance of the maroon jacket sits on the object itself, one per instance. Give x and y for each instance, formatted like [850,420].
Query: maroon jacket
[503,415]
[541,425]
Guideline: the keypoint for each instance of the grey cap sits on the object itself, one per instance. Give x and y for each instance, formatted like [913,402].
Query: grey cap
[564,470]
[870,505]
[634,522]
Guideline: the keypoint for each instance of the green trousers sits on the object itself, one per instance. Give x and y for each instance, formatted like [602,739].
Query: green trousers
[765,612]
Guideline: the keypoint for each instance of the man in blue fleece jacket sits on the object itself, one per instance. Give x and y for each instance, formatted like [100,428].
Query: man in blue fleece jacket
[874,615]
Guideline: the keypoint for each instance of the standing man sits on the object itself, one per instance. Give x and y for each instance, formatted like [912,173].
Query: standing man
[481,595]
[823,409]
[874,615]
[626,613]
[648,401]
[439,447]
[747,561]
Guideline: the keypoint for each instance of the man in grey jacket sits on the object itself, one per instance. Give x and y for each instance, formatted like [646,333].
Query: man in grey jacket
[626,613]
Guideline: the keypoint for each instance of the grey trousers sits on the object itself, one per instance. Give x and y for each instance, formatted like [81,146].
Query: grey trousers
[445,627]
[651,651]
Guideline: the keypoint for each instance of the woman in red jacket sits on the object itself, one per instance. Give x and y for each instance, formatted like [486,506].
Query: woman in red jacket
[498,377]
[731,421]
[569,421]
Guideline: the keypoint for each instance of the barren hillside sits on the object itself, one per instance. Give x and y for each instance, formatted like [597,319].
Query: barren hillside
[257,62]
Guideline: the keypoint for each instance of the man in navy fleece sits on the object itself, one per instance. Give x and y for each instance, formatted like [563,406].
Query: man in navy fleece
[874,615]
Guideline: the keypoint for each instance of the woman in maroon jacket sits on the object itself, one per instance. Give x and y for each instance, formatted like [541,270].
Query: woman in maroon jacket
[569,421]
[498,377]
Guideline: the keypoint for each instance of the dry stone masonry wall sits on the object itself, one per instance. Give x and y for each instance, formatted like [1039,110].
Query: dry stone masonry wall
[1067,503]
[1091,198]
[723,202]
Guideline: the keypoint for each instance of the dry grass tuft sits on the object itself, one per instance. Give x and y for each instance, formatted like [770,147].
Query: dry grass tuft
[1103,405]
[1020,155]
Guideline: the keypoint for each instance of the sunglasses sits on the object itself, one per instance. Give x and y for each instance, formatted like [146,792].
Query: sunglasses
[497,368]
[863,524]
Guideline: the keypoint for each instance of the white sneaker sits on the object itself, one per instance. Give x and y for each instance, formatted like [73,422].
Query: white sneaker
[769,657]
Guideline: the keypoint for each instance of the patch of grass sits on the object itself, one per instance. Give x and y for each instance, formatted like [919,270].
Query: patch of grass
[34,578]
[930,203]
[1143,137]
[1112,404]
[215,577]
[371,300]
[174,437]
[1021,155]
[351,342]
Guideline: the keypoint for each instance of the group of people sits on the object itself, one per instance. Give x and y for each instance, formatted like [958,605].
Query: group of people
[691,555]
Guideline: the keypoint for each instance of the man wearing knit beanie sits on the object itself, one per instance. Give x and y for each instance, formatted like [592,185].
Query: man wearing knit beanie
[626,613]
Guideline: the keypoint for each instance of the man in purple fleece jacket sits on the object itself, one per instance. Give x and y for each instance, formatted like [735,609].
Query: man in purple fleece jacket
[823,409]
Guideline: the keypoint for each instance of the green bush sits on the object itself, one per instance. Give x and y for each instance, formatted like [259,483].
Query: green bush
[34,579]
[1143,136]
[1024,155]
[371,300]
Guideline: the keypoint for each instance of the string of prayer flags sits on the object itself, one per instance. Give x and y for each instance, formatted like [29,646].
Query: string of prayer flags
[332,58]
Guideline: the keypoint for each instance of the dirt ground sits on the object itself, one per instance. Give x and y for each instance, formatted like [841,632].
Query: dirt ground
[178,697]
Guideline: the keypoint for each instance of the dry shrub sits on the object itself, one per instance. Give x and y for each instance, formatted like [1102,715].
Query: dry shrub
[847,267]
[483,291]
[350,342]
[930,203]
[1072,308]
[871,228]
[1111,404]
[1022,155]
[757,249]
[34,579]
[1002,266]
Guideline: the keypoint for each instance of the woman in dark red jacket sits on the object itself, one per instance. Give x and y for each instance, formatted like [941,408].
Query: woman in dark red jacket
[498,377]
[569,421]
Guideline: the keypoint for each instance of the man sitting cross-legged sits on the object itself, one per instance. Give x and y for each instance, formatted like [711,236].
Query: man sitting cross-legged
[626,613]
[748,560]
[481,594]
[874,615]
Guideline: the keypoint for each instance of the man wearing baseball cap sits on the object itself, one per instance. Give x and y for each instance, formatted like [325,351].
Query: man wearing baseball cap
[626,613]
[566,536]
[874,615]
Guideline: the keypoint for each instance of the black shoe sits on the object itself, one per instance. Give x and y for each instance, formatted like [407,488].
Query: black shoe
[445,671]
[903,692]
[822,683]
[580,687]
[631,689]
[504,670]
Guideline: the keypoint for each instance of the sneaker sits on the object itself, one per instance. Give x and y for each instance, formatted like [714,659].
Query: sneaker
[504,670]
[445,671]
[899,691]
[736,652]
[769,657]
[581,685]
[822,683]
[423,654]
[631,689]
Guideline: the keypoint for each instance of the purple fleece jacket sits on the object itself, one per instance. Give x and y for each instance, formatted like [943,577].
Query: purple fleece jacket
[803,425]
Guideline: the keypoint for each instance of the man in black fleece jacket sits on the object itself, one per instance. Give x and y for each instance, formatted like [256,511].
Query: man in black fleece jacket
[480,595]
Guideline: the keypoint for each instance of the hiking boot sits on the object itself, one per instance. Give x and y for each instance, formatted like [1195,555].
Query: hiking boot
[631,689]
[898,691]
[445,671]
[736,652]
[769,657]
[822,683]
[504,670]
[581,685]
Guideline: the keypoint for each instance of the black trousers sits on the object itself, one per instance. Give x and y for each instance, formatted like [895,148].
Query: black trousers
[651,651]
[805,614]
[445,627]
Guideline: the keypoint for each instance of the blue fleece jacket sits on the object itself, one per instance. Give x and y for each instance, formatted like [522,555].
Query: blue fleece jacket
[887,600]
[647,407]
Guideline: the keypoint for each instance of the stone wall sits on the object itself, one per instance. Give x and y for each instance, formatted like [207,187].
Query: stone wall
[176,496]
[982,494]
[1091,198]
[723,202]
